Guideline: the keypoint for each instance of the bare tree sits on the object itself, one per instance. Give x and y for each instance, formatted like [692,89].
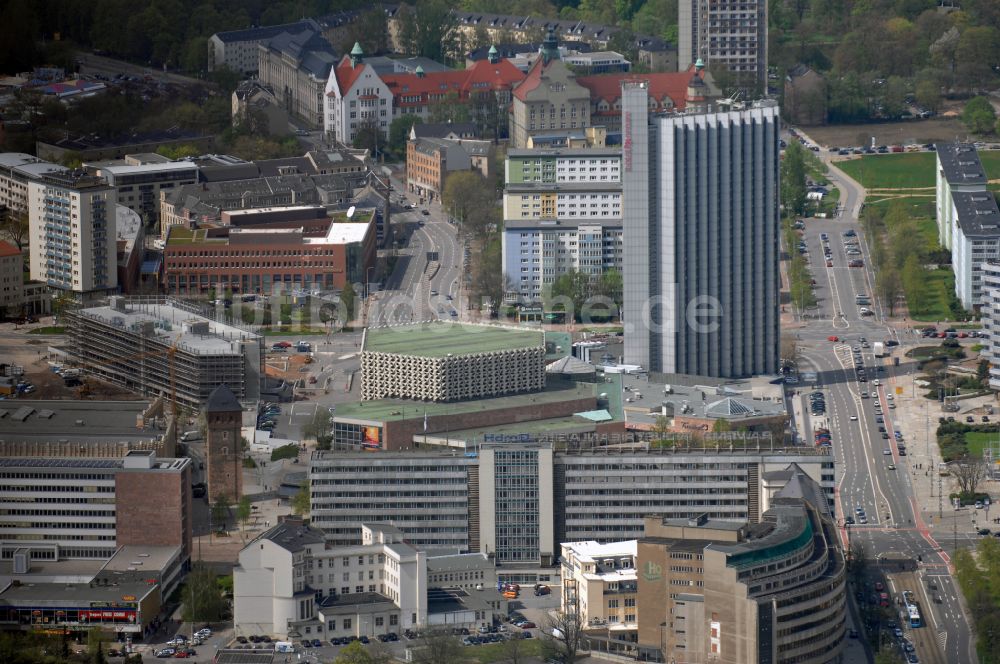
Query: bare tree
[438,646]
[969,472]
[514,651]
[789,349]
[565,635]
[15,224]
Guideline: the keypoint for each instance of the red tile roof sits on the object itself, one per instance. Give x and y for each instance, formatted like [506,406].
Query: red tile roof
[346,74]
[530,81]
[7,249]
[483,75]
[671,84]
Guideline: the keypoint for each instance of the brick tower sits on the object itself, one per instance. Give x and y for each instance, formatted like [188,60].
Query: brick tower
[223,445]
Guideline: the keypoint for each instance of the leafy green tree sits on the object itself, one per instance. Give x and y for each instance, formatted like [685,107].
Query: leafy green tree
[243,511]
[979,115]
[928,94]
[569,293]
[793,179]
[300,501]
[201,598]
[610,285]
[347,300]
[371,30]
[914,279]
[399,132]
[428,29]
[319,428]
[888,287]
[369,138]
[450,109]
[354,653]
[220,511]
[721,425]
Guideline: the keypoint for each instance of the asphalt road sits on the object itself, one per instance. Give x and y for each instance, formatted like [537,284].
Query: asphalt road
[871,473]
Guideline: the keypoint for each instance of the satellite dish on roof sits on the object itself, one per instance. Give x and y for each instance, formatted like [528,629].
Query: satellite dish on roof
[350,212]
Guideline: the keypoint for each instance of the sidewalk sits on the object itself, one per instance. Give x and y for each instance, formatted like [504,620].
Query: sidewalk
[917,419]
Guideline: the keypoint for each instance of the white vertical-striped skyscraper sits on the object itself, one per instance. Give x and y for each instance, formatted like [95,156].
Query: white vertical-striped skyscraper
[701,228]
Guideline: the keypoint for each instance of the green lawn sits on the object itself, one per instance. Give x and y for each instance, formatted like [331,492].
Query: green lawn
[906,170]
[887,171]
[51,329]
[940,286]
[977,440]
[498,652]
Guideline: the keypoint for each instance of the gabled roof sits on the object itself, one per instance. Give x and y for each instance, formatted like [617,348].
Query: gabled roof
[443,129]
[7,249]
[222,400]
[666,84]
[483,75]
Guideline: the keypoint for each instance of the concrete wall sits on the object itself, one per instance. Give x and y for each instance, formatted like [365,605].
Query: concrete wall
[153,508]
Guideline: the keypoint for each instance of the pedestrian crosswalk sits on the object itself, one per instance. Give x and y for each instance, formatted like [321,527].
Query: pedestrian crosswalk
[942,639]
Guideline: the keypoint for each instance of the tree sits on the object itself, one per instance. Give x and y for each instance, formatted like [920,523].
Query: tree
[220,511]
[438,646]
[969,472]
[888,287]
[319,428]
[368,138]
[514,651]
[399,132]
[793,179]
[450,109]
[789,349]
[201,598]
[721,425]
[470,201]
[928,94]
[301,501]
[914,280]
[371,30]
[16,227]
[347,301]
[95,645]
[565,634]
[610,285]
[570,288]
[661,427]
[428,29]
[979,116]
[243,511]
[354,653]
[490,281]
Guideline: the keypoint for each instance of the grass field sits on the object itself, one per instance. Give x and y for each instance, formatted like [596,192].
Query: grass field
[439,339]
[907,170]
[497,652]
[891,171]
[51,329]
[977,440]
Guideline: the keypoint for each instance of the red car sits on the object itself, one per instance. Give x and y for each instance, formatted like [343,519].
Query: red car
[284,344]
[829,263]
[833,338]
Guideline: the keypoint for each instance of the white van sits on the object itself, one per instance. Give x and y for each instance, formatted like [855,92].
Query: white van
[190,436]
[283,646]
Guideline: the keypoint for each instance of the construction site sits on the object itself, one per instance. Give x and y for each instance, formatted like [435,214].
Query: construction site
[159,346]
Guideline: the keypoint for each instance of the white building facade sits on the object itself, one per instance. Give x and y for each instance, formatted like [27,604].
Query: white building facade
[72,232]
[957,170]
[562,212]
[599,581]
[975,240]
[991,320]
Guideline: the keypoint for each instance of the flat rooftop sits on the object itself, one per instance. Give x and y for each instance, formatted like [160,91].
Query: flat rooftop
[80,594]
[960,163]
[565,152]
[395,410]
[76,421]
[144,558]
[172,324]
[978,215]
[442,338]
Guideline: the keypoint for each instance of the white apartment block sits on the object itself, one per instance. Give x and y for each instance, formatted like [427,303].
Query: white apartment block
[537,252]
[238,49]
[562,212]
[16,171]
[991,319]
[72,232]
[724,32]
[958,169]
[600,581]
[975,240]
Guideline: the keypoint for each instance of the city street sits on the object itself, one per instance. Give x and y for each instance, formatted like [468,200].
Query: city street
[872,475]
